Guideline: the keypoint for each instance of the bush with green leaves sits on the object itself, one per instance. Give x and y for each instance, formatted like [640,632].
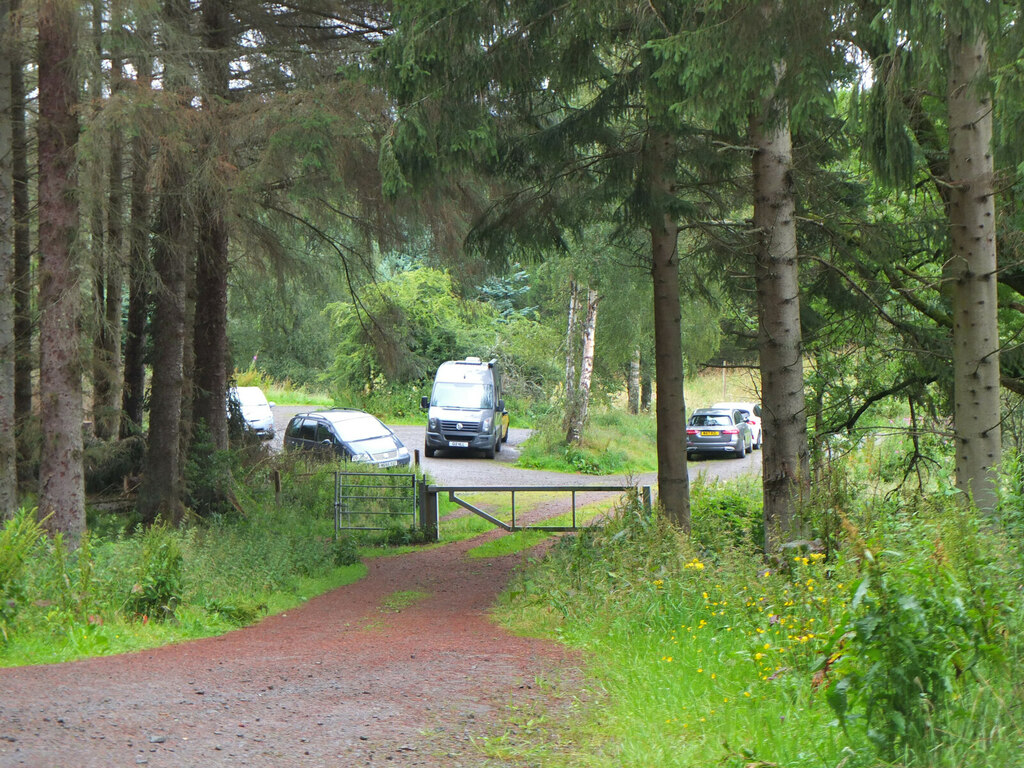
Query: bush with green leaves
[20,539]
[158,573]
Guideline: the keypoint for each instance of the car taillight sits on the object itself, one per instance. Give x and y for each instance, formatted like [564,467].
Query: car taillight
[731,431]
[691,431]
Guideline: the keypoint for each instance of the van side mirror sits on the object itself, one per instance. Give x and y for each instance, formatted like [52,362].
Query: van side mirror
[501,404]
[424,403]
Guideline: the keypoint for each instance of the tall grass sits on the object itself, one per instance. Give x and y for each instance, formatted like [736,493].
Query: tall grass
[128,589]
[901,647]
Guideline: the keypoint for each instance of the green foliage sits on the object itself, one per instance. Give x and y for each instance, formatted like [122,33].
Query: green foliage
[209,475]
[710,657]
[158,574]
[402,328]
[614,443]
[726,515]
[922,639]
[19,539]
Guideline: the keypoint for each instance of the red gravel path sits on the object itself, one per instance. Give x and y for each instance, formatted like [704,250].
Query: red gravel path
[342,681]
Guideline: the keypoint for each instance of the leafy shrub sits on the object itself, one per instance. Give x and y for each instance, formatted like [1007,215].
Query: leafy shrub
[19,539]
[158,574]
[923,635]
[724,515]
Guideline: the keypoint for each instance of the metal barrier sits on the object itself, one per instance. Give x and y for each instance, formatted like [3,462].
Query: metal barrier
[428,507]
[364,500]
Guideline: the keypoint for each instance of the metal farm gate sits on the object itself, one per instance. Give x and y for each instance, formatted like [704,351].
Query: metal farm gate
[374,501]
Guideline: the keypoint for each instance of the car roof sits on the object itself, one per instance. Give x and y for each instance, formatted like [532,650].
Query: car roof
[717,410]
[336,415]
[741,405]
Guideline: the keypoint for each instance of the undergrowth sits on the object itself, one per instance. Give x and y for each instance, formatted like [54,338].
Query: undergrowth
[899,645]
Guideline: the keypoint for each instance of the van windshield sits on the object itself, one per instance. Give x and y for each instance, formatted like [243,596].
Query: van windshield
[472,395]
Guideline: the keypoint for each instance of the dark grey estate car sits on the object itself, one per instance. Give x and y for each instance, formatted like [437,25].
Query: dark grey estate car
[718,430]
[349,434]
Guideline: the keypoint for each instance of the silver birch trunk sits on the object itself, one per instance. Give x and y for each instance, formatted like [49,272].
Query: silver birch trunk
[8,449]
[972,269]
[785,454]
[633,384]
[570,343]
[61,477]
[578,418]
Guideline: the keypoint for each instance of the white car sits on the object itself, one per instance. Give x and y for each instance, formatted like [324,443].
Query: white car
[255,410]
[753,413]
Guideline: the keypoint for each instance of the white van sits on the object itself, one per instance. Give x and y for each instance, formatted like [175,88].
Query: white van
[255,410]
[465,410]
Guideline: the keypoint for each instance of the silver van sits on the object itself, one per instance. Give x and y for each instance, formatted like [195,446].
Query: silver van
[465,410]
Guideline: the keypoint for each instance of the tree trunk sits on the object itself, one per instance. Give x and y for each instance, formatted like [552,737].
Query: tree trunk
[973,270]
[673,482]
[105,229]
[212,265]
[785,454]
[61,486]
[581,403]
[23,361]
[570,351]
[646,387]
[134,379]
[633,384]
[8,448]
[160,495]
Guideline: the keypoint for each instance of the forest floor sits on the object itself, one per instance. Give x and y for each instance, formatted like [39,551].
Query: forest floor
[402,668]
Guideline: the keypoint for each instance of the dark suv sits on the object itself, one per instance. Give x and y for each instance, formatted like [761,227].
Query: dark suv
[350,434]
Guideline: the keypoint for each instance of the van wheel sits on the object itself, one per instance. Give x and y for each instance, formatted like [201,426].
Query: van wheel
[428,451]
[489,452]
[497,446]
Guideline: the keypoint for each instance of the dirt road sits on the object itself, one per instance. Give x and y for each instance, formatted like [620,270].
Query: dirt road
[350,679]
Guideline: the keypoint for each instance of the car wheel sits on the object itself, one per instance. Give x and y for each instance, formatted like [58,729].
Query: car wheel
[689,456]
[428,451]
[742,451]
[757,445]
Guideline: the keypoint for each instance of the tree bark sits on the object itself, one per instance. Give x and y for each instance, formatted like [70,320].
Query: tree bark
[633,384]
[161,492]
[785,454]
[61,486]
[212,264]
[973,270]
[160,495]
[105,224]
[134,378]
[8,447]
[581,402]
[23,361]
[673,482]
[570,348]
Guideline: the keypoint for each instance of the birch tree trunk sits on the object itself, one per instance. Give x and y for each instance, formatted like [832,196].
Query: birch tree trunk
[785,454]
[633,384]
[61,485]
[581,404]
[8,449]
[973,271]
[673,482]
[570,347]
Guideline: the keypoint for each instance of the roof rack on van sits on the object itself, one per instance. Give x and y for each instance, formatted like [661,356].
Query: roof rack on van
[476,361]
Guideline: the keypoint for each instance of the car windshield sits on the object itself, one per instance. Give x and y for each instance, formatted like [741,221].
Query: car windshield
[457,395]
[354,429]
[711,420]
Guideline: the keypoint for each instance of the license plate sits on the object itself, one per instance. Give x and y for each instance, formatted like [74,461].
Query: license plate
[708,433]
[386,464]
[458,444]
